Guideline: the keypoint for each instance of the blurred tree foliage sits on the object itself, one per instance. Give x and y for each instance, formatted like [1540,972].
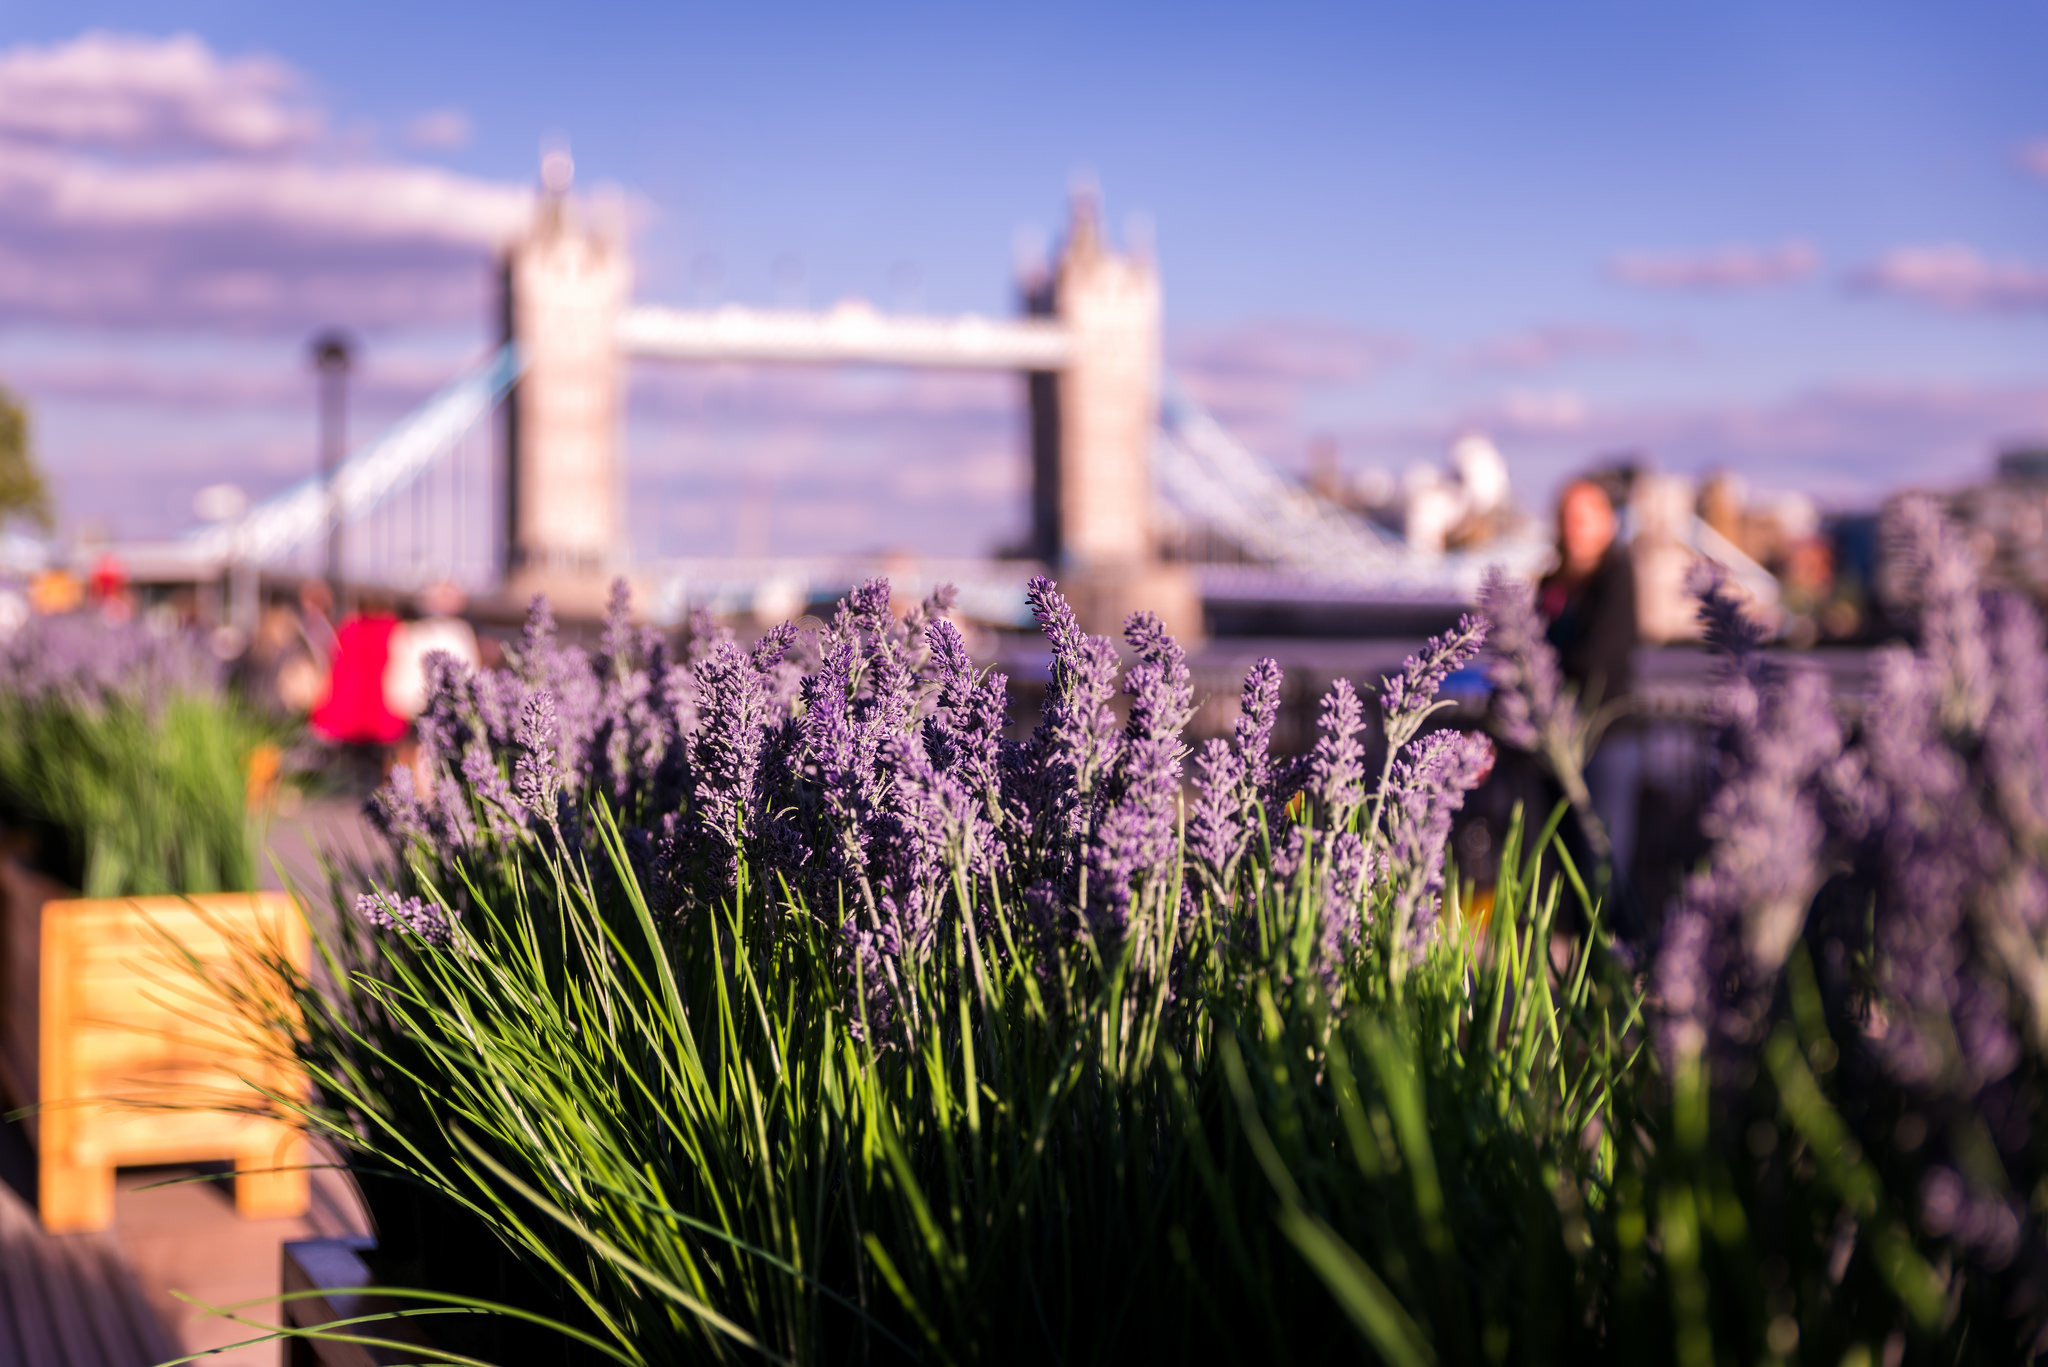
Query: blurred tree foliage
[22,492]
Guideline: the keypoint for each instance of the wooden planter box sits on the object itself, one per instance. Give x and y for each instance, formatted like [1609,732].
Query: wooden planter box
[116,1043]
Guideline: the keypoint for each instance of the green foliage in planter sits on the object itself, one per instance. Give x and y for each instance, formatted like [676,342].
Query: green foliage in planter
[132,768]
[1284,1104]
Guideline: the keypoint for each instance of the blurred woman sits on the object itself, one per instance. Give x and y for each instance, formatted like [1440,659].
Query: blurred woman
[1589,601]
[1590,598]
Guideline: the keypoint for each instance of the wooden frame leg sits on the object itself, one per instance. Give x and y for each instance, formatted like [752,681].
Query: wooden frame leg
[74,1197]
[263,1194]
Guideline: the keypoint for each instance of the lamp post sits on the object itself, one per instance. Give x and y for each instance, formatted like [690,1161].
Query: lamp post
[333,354]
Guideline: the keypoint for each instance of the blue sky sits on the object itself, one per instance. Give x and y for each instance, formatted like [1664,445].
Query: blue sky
[1809,243]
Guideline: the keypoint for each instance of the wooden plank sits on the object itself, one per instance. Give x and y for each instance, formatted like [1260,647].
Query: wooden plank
[23,1288]
[69,1310]
[126,1329]
[69,1300]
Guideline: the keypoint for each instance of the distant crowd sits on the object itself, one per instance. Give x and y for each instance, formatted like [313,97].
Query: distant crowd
[359,681]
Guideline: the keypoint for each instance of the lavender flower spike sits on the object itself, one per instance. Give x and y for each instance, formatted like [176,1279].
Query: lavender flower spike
[536,778]
[1216,828]
[1136,835]
[1428,791]
[1724,624]
[1254,730]
[1937,575]
[1407,699]
[1535,710]
[413,915]
[1078,727]
[1529,685]
[1337,766]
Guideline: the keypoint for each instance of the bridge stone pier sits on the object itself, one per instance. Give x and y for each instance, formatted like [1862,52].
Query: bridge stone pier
[1088,348]
[1094,421]
[565,287]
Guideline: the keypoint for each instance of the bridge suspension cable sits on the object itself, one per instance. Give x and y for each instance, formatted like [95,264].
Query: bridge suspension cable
[300,516]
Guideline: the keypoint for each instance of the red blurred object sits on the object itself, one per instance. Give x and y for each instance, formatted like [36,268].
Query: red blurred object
[109,578]
[354,710]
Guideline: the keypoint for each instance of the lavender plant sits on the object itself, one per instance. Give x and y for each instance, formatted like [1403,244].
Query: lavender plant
[770,1000]
[1867,940]
[780,995]
[122,753]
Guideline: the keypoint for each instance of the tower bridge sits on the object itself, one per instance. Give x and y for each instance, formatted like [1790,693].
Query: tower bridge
[1088,347]
[534,502]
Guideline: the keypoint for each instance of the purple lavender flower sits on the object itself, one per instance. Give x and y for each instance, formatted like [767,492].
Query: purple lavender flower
[1078,723]
[845,754]
[933,827]
[726,750]
[499,695]
[616,643]
[1253,734]
[1343,908]
[1216,830]
[1426,791]
[1337,765]
[970,712]
[1987,1224]
[411,915]
[88,661]
[1739,918]
[1725,623]
[1408,698]
[537,779]
[883,680]
[1289,853]
[504,811]
[397,812]
[1532,707]
[2016,729]
[1136,832]
[1529,685]
[442,722]
[1935,574]
[1231,778]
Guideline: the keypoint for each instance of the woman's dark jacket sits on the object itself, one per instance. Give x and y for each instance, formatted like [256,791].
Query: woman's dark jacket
[1594,631]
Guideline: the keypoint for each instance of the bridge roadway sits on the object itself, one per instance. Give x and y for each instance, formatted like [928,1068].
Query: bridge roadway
[852,333]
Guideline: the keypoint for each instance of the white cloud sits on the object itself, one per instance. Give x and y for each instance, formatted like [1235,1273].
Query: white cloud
[1288,352]
[1955,276]
[241,383]
[136,93]
[440,130]
[1540,348]
[150,183]
[356,203]
[1544,410]
[1720,269]
[1258,375]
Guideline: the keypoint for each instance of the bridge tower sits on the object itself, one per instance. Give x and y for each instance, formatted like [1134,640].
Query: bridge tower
[565,285]
[1093,424]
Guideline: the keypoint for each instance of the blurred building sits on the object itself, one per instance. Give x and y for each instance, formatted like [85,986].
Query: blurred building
[1465,503]
[2008,518]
